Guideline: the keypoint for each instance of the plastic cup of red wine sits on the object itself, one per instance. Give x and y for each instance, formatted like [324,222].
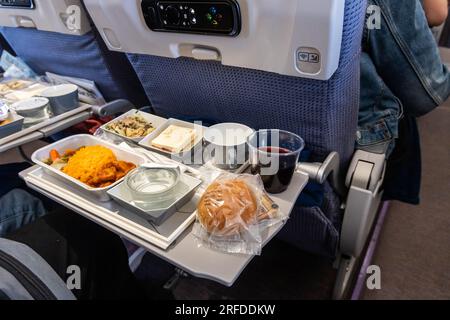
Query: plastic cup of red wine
[274,155]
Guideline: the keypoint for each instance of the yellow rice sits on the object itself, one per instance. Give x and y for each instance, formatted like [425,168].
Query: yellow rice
[88,162]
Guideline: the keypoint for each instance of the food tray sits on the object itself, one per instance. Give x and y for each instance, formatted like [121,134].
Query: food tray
[14,126]
[187,154]
[111,214]
[153,119]
[75,142]
[157,212]
[49,122]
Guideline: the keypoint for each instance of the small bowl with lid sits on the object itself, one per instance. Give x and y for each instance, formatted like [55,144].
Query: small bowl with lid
[34,110]
[153,183]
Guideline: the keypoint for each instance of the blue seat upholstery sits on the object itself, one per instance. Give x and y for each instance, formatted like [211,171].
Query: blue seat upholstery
[78,56]
[324,113]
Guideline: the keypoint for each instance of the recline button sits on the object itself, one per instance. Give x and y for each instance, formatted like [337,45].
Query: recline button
[205,54]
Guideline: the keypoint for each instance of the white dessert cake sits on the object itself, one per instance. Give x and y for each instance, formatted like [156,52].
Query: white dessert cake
[175,139]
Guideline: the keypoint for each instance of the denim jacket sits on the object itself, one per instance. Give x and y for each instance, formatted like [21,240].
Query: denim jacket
[401,72]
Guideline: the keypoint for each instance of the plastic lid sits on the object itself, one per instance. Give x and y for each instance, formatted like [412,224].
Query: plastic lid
[31,104]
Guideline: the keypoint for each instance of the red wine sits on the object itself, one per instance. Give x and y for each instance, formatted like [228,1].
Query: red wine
[280,181]
[274,150]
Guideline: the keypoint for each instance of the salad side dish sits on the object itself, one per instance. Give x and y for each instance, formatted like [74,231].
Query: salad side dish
[131,127]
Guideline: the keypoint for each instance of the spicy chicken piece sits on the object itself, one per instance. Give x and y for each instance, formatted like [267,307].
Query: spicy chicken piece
[124,166]
[101,176]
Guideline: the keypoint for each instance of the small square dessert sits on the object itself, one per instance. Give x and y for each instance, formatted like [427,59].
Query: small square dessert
[175,139]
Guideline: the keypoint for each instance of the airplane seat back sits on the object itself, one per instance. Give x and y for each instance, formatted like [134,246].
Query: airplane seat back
[82,56]
[4,45]
[324,113]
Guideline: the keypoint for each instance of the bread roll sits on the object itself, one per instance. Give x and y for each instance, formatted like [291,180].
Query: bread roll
[227,207]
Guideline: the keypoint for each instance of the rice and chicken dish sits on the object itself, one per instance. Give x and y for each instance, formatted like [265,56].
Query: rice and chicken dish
[96,166]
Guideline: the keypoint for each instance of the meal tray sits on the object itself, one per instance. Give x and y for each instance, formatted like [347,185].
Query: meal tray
[14,126]
[111,213]
[75,142]
[51,121]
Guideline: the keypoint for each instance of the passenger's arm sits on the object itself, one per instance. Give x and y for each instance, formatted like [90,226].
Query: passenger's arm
[436,11]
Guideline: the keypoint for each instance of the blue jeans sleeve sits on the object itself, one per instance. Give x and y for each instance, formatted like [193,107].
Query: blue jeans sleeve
[17,209]
[407,57]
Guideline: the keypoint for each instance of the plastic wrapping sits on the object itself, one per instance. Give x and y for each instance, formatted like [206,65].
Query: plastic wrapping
[15,90]
[15,67]
[233,214]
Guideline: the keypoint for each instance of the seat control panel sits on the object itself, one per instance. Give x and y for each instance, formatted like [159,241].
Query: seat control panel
[23,4]
[201,17]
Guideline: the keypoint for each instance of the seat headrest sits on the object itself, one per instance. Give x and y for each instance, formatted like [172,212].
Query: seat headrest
[299,38]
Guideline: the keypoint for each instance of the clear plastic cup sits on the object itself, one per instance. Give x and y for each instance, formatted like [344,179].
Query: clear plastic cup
[274,155]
